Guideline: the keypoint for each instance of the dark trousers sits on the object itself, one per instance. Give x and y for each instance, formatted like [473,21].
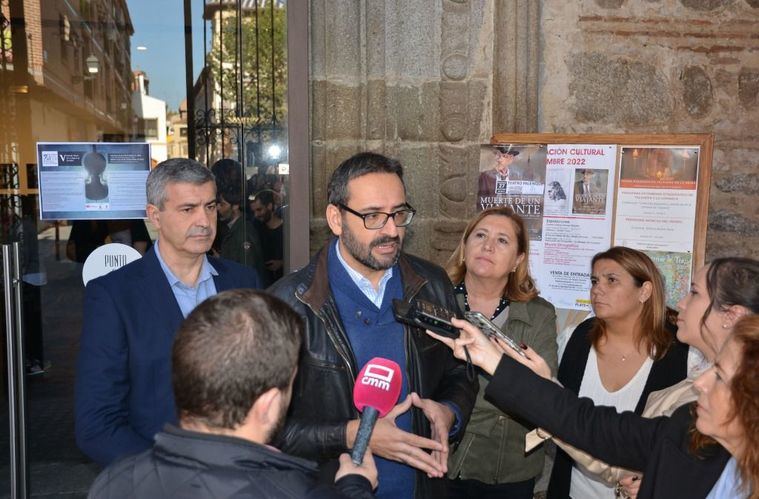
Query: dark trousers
[462,489]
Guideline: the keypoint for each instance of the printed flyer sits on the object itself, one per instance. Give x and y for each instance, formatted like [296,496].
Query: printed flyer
[92,180]
[577,221]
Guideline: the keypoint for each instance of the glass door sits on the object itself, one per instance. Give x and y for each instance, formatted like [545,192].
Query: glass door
[205,79]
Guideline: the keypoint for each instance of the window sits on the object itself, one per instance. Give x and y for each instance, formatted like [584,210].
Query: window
[151,128]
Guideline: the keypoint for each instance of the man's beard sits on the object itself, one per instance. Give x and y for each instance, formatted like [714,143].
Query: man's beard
[364,254]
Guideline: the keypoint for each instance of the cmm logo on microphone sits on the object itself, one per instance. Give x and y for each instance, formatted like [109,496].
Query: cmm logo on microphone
[377,376]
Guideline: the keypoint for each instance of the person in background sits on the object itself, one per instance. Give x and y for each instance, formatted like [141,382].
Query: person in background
[264,207]
[240,242]
[618,357]
[123,394]
[233,364]
[491,275]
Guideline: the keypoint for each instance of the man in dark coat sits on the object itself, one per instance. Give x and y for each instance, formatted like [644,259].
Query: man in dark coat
[345,296]
[233,364]
[123,393]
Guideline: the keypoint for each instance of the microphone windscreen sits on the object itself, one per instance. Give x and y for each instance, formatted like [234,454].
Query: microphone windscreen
[378,385]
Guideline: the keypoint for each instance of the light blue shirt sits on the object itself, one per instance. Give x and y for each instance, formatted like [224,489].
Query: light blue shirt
[364,284]
[728,485]
[189,297]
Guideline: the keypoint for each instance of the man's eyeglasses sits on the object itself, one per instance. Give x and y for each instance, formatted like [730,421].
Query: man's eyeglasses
[377,219]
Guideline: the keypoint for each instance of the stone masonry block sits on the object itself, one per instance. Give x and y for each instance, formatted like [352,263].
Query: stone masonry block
[706,5]
[376,110]
[420,176]
[748,87]
[429,123]
[342,40]
[697,91]
[610,4]
[454,110]
[342,108]
[746,183]
[618,91]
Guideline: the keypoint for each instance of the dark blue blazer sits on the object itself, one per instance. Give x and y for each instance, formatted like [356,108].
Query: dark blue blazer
[123,393]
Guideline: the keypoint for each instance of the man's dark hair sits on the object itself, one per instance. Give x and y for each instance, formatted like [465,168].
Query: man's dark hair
[174,170]
[230,350]
[265,197]
[228,173]
[356,166]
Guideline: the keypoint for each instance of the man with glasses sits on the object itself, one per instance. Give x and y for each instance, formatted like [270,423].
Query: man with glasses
[345,296]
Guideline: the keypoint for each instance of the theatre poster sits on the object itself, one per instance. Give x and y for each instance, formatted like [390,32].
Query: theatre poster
[577,220]
[656,209]
[92,180]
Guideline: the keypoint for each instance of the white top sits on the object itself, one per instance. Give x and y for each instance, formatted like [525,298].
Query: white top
[728,485]
[583,485]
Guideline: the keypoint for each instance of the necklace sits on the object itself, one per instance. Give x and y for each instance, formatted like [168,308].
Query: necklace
[502,304]
[622,356]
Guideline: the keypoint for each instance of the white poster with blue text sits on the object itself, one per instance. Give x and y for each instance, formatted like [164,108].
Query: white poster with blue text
[92,180]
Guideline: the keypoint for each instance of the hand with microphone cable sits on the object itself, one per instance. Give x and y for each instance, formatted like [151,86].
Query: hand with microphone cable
[375,392]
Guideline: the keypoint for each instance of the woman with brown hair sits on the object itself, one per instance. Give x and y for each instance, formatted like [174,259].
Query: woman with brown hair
[618,357]
[490,272]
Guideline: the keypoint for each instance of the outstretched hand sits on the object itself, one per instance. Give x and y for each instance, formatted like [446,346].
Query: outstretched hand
[533,360]
[482,352]
[391,442]
[367,468]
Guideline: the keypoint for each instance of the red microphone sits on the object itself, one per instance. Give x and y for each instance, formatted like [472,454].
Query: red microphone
[375,393]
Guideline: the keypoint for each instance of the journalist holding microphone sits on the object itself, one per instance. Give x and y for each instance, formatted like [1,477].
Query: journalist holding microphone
[706,449]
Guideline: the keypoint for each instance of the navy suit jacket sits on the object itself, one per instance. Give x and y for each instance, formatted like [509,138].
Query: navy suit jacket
[123,392]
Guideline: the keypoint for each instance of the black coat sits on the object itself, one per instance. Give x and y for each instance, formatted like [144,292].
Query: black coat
[190,464]
[658,446]
[665,372]
[322,401]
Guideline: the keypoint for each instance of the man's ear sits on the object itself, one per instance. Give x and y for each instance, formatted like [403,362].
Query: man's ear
[266,408]
[154,215]
[334,219]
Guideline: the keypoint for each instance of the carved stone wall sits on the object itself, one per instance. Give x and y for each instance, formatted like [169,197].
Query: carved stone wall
[427,81]
[664,66]
[414,79]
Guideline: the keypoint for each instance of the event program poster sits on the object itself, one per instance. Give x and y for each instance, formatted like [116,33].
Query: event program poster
[656,209]
[577,221]
[92,180]
[513,175]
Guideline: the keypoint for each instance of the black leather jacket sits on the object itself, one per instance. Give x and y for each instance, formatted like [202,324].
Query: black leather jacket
[322,400]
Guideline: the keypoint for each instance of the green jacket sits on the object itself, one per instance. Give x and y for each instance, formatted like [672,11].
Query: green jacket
[492,449]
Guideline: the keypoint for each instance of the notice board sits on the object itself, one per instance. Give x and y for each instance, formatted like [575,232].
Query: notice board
[581,194]
[92,180]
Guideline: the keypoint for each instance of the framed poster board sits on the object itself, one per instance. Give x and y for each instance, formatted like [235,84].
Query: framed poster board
[581,194]
[92,180]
